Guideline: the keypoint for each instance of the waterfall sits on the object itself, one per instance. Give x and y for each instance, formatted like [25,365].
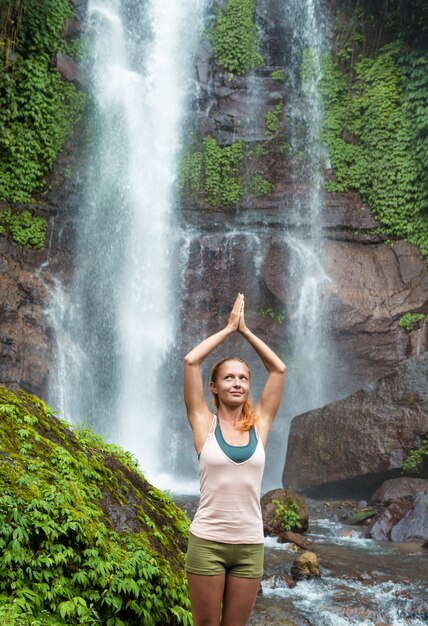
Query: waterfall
[312,352]
[115,326]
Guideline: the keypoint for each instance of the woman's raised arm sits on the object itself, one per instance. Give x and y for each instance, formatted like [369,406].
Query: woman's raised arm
[196,406]
[268,404]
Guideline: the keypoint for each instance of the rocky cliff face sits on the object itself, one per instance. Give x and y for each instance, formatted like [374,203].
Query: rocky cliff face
[373,281]
[242,247]
[351,446]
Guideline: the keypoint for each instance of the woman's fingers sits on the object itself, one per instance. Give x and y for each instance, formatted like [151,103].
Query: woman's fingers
[236,312]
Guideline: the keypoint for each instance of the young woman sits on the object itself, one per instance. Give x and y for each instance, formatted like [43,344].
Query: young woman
[225,554]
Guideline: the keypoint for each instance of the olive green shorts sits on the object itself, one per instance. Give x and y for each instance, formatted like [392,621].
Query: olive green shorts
[211,558]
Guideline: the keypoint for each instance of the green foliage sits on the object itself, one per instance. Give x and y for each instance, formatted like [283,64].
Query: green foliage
[417,460]
[287,513]
[278,75]
[375,129]
[25,229]
[260,186]
[270,313]
[37,108]
[64,556]
[191,170]
[222,172]
[234,37]
[272,119]
[411,321]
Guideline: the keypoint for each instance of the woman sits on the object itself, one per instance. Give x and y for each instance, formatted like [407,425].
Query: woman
[225,554]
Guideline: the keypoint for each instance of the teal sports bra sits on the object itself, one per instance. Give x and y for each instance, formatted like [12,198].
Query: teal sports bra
[237,454]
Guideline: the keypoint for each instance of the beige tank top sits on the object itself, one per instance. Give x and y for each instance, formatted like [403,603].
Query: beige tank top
[229,508]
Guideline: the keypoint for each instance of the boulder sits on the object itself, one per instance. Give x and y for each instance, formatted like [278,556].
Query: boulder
[397,488]
[388,518]
[356,443]
[414,525]
[305,566]
[271,523]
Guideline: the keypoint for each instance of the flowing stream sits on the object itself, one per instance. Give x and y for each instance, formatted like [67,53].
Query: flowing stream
[363,583]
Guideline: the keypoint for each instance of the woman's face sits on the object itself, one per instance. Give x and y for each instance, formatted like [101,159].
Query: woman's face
[232,384]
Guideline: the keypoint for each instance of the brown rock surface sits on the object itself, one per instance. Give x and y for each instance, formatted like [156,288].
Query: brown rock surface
[24,338]
[388,518]
[306,566]
[398,488]
[361,439]
[413,526]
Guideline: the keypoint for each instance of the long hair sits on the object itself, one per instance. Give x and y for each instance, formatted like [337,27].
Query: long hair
[248,418]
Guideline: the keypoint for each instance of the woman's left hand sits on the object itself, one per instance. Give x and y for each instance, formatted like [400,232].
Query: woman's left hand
[235,314]
[242,327]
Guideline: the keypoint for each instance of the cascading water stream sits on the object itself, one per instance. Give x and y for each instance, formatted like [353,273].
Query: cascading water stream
[312,350]
[120,319]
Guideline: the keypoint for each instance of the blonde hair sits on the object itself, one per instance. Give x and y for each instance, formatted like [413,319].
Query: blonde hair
[248,418]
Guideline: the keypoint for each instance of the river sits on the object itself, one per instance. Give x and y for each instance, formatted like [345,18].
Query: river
[363,582]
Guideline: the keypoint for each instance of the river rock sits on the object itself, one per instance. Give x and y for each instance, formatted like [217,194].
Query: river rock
[398,488]
[354,444]
[279,581]
[271,523]
[414,525]
[305,566]
[388,518]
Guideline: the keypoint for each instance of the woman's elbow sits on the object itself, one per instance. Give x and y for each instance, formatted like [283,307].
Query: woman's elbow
[189,360]
[282,368]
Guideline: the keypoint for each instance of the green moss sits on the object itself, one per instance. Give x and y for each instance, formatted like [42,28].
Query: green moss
[234,37]
[278,75]
[270,313]
[37,108]
[75,546]
[411,321]
[260,186]
[375,131]
[24,228]
[222,164]
[417,460]
[272,119]
[223,174]
[191,170]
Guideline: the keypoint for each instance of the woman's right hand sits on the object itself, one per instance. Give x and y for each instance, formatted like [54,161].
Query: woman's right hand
[235,313]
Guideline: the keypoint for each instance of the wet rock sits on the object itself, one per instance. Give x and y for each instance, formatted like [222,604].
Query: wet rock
[67,67]
[271,523]
[279,581]
[25,341]
[388,518]
[356,442]
[398,488]
[306,566]
[414,525]
[295,538]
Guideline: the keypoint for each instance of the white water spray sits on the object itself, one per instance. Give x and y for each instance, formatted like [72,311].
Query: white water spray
[313,353]
[122,316]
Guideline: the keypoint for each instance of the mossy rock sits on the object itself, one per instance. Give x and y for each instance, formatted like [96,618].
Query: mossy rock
[271,522]
[84,538]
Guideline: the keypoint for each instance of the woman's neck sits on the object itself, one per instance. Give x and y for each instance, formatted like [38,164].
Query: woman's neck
[231,415]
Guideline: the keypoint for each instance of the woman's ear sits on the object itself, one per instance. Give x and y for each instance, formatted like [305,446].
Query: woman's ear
[213,387]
